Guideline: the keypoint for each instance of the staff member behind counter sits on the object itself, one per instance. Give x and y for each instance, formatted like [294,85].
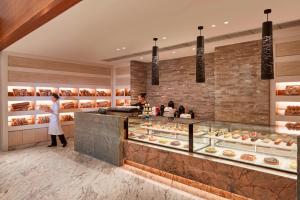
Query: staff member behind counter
[141,101]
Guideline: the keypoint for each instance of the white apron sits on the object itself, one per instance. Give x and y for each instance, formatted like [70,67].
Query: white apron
[54,125]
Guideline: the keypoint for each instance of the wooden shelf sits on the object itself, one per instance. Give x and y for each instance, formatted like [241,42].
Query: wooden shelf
[34,126]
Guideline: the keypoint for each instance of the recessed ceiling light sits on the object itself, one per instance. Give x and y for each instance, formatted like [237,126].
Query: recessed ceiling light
[226,22]
[213,26]
[194,48]
[141,57]
[118,49]
[123,48]
[164,38]
[174,52]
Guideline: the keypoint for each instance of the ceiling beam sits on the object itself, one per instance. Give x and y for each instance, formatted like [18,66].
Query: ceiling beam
[208,40]
[20,17]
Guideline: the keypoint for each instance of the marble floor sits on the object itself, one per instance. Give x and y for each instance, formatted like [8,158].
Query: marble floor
[42,173]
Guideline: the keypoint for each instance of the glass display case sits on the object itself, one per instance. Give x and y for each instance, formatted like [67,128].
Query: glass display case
[250,144]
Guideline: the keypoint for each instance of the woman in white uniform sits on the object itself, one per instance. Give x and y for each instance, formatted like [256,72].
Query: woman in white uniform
[54,125]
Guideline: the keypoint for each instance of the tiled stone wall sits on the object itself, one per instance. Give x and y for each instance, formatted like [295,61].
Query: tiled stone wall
[233,90]
[137,79]
[178,83]
[240,94]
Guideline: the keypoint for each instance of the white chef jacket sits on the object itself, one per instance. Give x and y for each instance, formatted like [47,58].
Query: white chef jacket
[54,124]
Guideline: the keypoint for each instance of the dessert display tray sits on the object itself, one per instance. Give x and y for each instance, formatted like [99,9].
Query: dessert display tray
[172,131]
[258,142]
[284,163]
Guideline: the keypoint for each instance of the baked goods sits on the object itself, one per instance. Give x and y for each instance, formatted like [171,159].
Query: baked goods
[67,93]
[271,161]
[293,164]
[21,92]
[273,136]
[236,136]
[245,137]
[229,153]
[103,93]
[131,134]
[86,105]
[67,118]
[127,92]
[293,126]
[292,90]
[277,141]
[290,143]
[227,135]
[23,106]
[163,141]
[142,137]
[44,92]
[253,139]
[266,140]
[68,105]
[292,110]
[211,150]
[120,92]
[175,143]
[186,146]
[43,119]
[19,122]
[152,138]
[85,92]
[248,157]
[100,104]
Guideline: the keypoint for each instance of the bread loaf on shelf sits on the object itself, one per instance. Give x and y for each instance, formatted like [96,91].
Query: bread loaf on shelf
[24,106]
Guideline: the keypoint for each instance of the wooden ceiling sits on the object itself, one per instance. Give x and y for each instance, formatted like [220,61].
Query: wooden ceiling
[19,17]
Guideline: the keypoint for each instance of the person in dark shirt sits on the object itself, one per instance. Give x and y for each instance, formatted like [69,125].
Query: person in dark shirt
[141,101]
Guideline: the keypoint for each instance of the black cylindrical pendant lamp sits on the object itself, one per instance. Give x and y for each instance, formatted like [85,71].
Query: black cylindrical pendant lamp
[267,61]
[200,66]
[155,67]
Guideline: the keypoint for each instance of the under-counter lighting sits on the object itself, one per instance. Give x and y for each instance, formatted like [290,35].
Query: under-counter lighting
[194,48]
[213,26]
[123,48]
[173,52]
[118,49]
[141,57]
[164,38]
[226,22]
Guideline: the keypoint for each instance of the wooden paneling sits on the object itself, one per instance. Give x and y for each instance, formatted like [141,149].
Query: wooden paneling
[68,130]
[16,61]
[288,68]
[123,81]
[29,136]
[41,135]
[16,76]
[15,138]
[288,48]
[20,17]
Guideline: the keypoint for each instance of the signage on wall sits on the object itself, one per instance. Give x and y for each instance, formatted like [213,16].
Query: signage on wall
[155,67]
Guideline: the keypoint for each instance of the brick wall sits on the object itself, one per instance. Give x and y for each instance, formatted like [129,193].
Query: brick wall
[232,92]
[240,94]
[137,79]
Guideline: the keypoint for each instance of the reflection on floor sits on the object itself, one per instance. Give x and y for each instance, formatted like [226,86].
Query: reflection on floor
[60,173]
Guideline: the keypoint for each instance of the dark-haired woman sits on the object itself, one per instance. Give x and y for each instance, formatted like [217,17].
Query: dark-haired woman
[141,101]
[54,124]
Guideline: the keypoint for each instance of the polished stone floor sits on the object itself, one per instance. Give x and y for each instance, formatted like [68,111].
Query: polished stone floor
[42,173]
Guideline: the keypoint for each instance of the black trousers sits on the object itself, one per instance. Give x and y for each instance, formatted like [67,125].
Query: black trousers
[61,138]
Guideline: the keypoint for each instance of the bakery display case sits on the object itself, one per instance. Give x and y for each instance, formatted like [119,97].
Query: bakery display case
[103,103]
[103,92]
[288,89]
[120,92]
[256,145]
[66,117]
[20,91]
[162,131]
[43,104]
[67,92]
[87,92]
[42,118]
[22,120]
[127,92]
[86,104]
[15,106]
[45,91]
[68,104]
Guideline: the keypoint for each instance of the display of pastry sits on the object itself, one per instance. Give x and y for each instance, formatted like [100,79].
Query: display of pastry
[163,141]
[277,141]
[67,93]
[142,137]
[293,126]
[229,153]
[21,92]
[85,92]
[253,139]
[23,106]
[86,105]
[253,134]
[43,119]
[266,140]
[273,136]
[290,143]
[248,157]
[227,135]
[245,137]
[292,110]
[152,138]
[127,92]
[44,92]
[175,143]
[103,93]
[68,105]
[271,161]
[100,104]
[19,122]
[236,136]
[67,118]
[211,150]
[131,134]
[293,164]
[120,92]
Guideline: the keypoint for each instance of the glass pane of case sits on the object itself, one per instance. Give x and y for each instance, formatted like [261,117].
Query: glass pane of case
[160,131]
[256,145]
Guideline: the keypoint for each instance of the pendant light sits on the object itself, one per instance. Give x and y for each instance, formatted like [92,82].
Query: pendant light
[267,62]
[155,67]
[200,65]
